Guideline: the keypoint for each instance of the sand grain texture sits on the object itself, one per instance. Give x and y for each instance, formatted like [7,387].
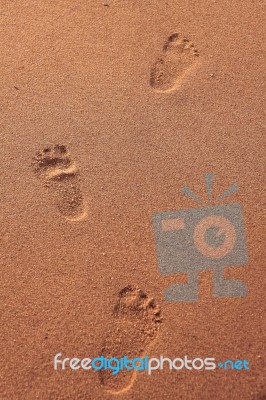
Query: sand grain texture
[126,114]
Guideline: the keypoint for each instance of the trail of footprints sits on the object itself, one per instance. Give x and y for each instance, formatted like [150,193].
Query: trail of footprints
[59,173]
[178,57]
[134,325]
[136,318]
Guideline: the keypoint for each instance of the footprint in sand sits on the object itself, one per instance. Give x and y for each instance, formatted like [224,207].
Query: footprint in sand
[135,323]
[178,58]
[60,175]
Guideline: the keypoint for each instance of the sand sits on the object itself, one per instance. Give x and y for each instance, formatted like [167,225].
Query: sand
[108,108]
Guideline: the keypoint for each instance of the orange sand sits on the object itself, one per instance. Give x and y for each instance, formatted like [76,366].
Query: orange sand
[100,78]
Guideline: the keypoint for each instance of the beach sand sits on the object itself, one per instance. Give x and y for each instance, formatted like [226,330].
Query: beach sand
[108,109]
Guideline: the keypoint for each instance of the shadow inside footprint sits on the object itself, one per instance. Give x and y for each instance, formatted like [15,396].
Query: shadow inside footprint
[135,322]
[178,57]
[60,175]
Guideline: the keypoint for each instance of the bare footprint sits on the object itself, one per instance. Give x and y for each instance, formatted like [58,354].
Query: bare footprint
[178,58]
[135,322]
[60,175]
